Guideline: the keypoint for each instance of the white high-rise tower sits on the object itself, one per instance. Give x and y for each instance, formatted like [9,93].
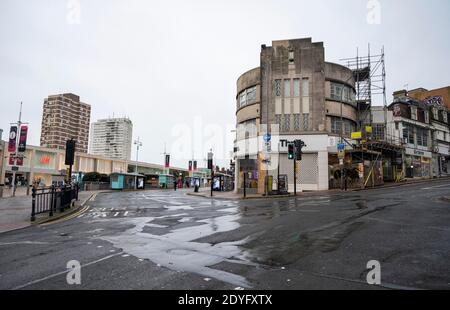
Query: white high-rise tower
[111,138]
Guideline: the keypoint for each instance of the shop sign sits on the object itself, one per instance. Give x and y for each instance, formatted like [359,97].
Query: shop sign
[416,152]
[425,160]
[45,160]
[357,135]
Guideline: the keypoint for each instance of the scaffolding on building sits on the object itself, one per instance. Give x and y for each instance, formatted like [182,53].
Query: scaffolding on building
[369,73]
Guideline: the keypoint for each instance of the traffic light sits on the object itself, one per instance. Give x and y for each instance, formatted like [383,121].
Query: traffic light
[70,152]
[299,144]
[210,161]
[291,151]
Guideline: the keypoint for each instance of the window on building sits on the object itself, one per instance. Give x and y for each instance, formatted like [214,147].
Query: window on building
[378,131]
[296,87]
[247,129]
[336,126]
[427,117]
[342,93]
[444,116]
[242,99]
[305,87]
[291,57]
[297,122]
[344,127]
[247,96]
[251,95]
[435,114]
[408,134]
[278,88]
[346,94]
[422,137]
[336,91]
[414,113]
[287,88]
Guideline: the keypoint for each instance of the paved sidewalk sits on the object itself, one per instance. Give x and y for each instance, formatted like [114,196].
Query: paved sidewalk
[20,191]
[15,212]
[206,192]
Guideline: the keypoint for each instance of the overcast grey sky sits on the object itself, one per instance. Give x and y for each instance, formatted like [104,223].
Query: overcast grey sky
[166,63]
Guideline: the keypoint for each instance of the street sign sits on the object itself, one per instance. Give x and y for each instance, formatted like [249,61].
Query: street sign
[267,137]
[15,168]
[341,146]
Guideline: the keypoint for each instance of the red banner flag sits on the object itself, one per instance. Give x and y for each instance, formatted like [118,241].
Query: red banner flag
[12,139]
[23,139]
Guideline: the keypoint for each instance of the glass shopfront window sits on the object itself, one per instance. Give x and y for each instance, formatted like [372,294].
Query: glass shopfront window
[44,160]
[249,167]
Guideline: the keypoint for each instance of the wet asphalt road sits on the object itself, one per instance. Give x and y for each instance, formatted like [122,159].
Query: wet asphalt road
[167,240]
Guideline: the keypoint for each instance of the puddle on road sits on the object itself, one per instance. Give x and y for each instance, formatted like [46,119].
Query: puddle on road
[178,251]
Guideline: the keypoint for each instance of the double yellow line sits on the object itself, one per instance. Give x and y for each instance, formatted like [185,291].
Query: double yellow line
[74,215]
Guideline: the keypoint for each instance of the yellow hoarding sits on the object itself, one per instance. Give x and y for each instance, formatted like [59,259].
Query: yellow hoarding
[357,135]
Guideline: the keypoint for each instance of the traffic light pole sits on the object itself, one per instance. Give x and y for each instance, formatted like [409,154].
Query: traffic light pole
[295,176]
[19,125]
[212,181]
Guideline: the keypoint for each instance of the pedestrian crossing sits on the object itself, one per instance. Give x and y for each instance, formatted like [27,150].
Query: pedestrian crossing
[109,213]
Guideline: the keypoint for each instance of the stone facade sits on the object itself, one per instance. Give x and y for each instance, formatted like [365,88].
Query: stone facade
[297,96]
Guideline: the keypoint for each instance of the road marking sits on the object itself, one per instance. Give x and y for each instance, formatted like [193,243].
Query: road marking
[22,242]
[167,202]
[63,272]
[125,214]
[74,215]
[437,186]
[117,213]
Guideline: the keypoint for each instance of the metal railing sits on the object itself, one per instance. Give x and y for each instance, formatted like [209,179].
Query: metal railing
[51,199]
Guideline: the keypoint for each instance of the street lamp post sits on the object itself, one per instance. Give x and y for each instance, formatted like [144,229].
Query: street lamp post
[16,155]
[138,144]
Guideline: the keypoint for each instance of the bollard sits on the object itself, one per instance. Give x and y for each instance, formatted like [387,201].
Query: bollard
[33,204]
[52,200]
[245,185]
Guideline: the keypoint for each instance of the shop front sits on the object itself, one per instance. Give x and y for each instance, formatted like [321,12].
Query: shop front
[418,163]
[248,171]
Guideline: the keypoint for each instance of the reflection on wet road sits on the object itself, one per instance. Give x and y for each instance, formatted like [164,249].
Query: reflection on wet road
[169,240]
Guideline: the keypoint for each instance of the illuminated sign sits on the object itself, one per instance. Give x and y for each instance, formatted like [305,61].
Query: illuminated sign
[45,160]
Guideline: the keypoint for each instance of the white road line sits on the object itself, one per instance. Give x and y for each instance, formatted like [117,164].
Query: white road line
[125,214]
[63,272]
[116,214]
[22,242]
[437,186]
[167,202]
